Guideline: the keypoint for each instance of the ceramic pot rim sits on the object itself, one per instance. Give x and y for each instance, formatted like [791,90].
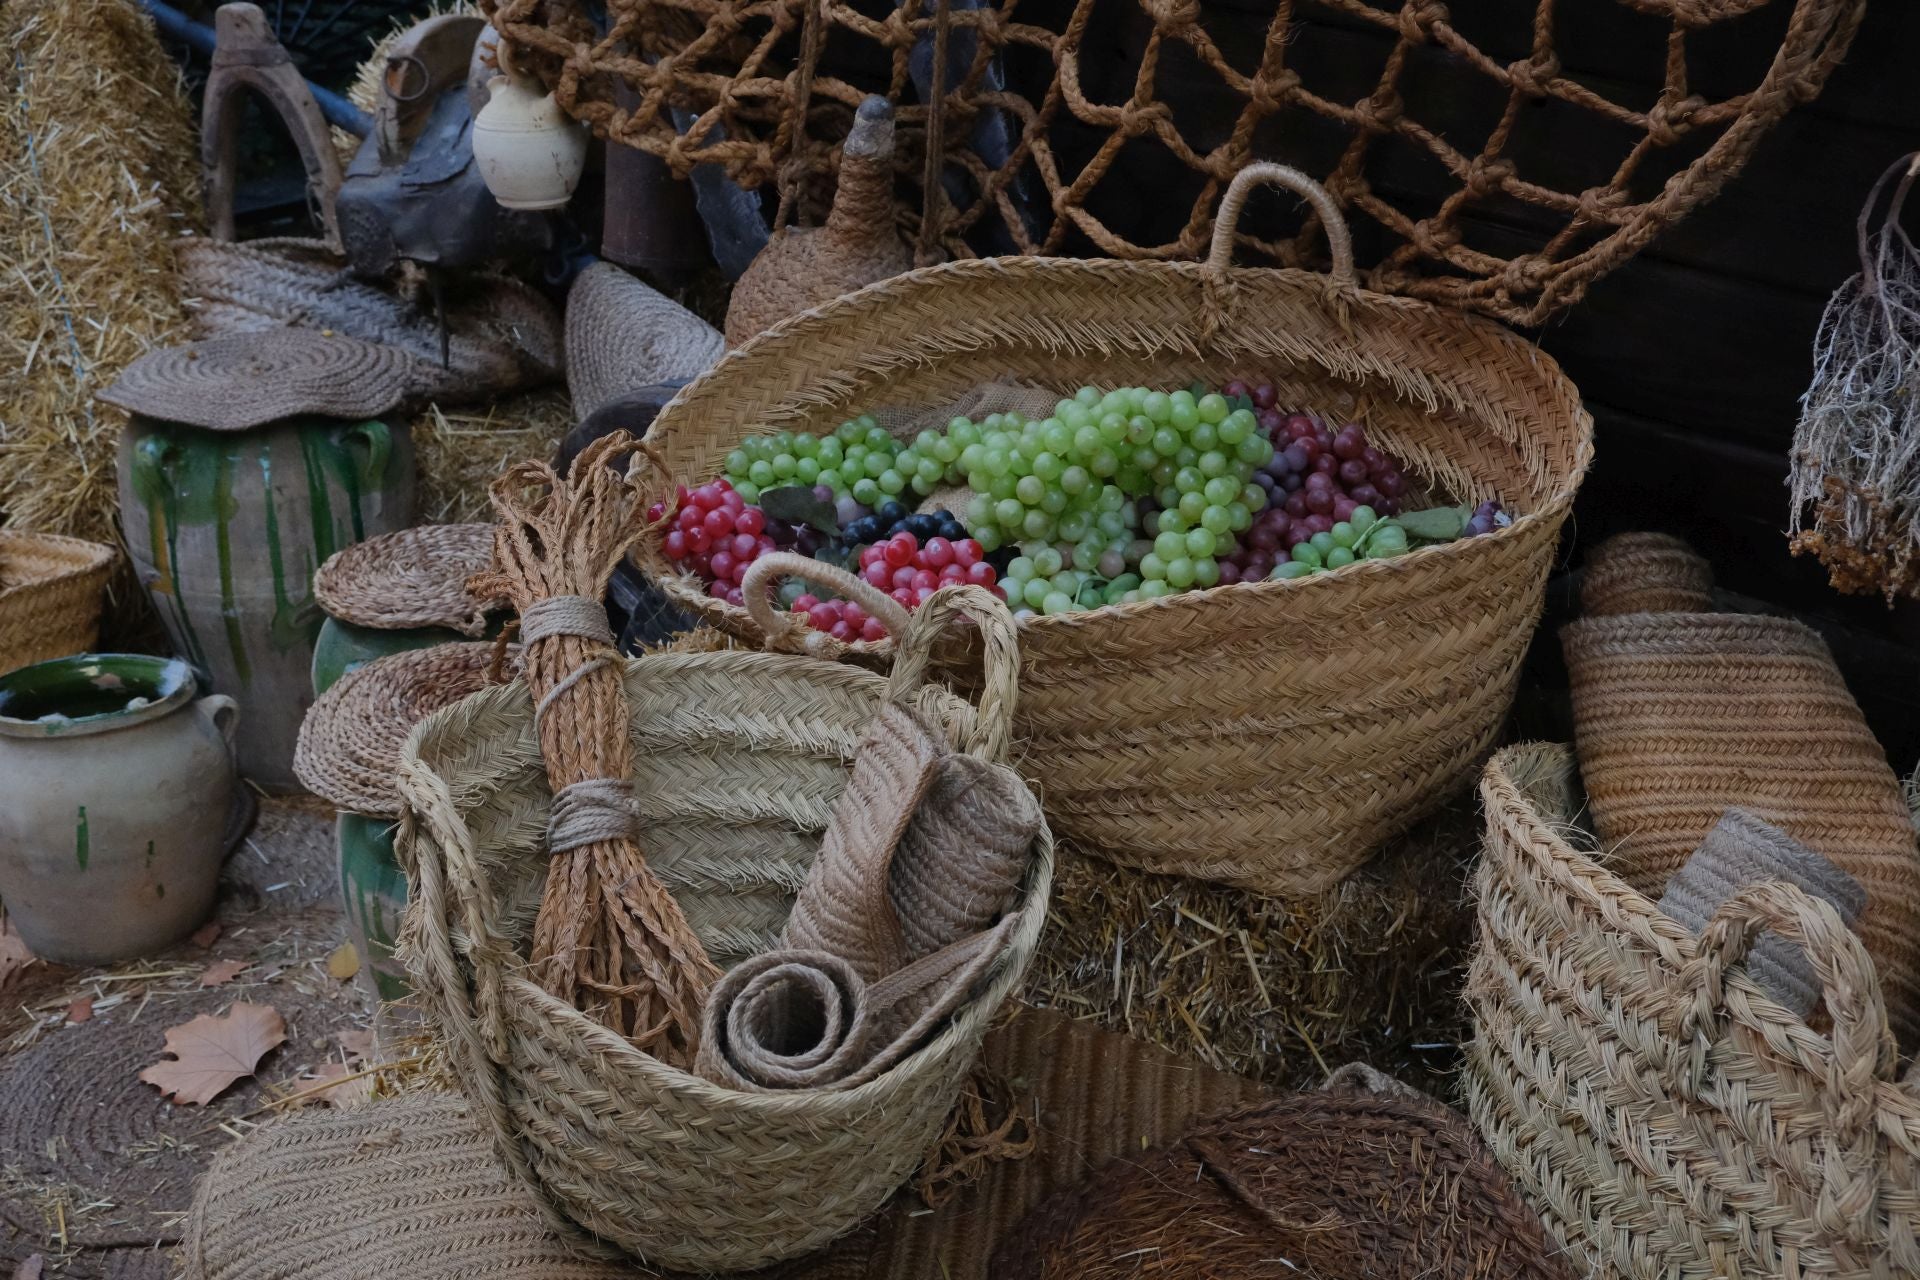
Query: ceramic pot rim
[172,679]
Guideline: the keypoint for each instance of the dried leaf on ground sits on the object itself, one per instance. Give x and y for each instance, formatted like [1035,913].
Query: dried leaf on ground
[211,1052]
[206,935]
[81,1010]
[357,1041]
[344,962]
[346,1095]
[31,1267]
[221,972]
[14,955]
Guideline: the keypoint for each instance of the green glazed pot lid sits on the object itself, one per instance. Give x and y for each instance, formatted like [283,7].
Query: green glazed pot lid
[92,693]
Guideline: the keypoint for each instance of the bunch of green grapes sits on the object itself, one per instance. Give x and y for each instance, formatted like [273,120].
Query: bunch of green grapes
[859,460]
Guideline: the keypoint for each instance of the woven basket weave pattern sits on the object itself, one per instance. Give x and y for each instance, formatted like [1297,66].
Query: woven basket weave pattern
[1664,1117]
[50,596]
[1238,734]
[727,746]
[410,578]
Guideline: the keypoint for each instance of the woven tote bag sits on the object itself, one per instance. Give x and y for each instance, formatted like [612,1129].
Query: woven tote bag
[738,759]
[1268,735]
[1664,1116]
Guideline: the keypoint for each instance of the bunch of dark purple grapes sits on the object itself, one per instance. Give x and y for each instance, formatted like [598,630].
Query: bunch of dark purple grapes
[1485,519]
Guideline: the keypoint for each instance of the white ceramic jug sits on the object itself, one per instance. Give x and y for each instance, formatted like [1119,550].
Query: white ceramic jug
[530,154]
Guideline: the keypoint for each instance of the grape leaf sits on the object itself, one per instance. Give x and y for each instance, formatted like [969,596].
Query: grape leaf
[345,1095]
[210,1053]
[796,504]
[221,972]
[357,1041]
[206,935]
[1436,524]
[81,1010]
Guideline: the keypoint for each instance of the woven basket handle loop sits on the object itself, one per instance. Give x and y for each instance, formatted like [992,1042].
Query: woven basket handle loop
[1863,1049]
[756,589]
[1339,240]
[992,733]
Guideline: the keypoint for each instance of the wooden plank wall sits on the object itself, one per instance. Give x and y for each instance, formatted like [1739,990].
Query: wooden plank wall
[1693,356]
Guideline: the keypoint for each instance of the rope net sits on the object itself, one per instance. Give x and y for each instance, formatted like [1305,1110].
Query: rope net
[1053,121]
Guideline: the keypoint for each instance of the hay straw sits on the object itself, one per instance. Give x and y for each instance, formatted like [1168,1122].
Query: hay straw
[98,158]
[459,453]
[1279,990]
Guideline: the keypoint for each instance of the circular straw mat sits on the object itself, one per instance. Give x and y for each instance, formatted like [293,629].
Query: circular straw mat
[349,747]
[241,380]
[1342,1183]
[410,578]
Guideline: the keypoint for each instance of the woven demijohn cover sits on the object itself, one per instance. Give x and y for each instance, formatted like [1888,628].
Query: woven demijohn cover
[1070,102]
[1662,1114]
[51,590]
[410,578]
[348,752]
[1232,734]
[737,760]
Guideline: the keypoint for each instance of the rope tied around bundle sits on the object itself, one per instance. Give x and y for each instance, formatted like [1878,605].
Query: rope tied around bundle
[609,939]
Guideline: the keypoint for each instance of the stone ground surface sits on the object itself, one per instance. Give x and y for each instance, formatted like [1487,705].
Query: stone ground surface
[96,1168]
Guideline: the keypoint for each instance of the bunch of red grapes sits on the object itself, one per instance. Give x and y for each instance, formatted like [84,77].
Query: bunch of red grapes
[1317,479]
[717,535]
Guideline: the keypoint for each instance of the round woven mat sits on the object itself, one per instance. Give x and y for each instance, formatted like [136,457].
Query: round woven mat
[349,748]
[411,578]
[622,335]
[241,380]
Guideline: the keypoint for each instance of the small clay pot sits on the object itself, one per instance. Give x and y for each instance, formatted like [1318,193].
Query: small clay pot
[116,782]
[802,267]
[530,154]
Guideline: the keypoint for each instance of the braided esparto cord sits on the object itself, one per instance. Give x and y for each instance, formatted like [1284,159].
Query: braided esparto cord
[609,938]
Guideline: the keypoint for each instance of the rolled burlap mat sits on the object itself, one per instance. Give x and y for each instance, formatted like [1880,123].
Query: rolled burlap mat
[894,927]
[1680,716]
[1742,850]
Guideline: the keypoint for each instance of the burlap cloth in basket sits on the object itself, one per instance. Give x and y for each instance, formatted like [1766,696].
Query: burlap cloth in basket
[410,578]
[893,928]
[1741,850]
[1362,1178]
[410,1187]
[501,335]
[622,335]
[1680,716]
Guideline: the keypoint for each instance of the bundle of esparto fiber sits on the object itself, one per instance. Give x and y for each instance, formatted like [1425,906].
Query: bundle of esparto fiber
[98,165]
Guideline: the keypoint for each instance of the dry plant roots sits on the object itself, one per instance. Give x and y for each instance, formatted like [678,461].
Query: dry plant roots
[1856,452]
[609,939]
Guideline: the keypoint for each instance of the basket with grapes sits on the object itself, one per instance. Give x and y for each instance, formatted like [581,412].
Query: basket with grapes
[1276,543]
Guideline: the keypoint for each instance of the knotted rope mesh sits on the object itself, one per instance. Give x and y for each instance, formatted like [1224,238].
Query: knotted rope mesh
[1034,127]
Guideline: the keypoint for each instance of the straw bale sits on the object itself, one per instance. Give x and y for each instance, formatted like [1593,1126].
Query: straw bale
[1279,990]
[98,166]
[459,452]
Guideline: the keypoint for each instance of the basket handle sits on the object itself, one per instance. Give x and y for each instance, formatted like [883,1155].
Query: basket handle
[1863,1049]
[1339,239]
[756,590]
[914,635]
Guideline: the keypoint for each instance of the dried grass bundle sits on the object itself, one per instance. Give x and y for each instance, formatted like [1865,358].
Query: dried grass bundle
[98,161]
[609,938]
[1856,452]
[1277,989]
[460,452]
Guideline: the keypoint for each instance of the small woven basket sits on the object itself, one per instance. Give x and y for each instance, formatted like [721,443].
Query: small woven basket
[410,578]
[1664,1116]
[1269,735]
[50,596]
[738,759]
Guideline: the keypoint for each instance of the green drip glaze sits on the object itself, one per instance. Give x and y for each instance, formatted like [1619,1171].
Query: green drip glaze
[295,623]
[149,855]
[81,842]
[156,487]
[224,508]
[319,504]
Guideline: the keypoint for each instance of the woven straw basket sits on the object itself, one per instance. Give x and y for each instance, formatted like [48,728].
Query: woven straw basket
[738,759]
[50,595]
[1269,735]
[1665,1117]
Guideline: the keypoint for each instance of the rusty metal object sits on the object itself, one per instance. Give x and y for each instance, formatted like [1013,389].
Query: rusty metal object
[246,56]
